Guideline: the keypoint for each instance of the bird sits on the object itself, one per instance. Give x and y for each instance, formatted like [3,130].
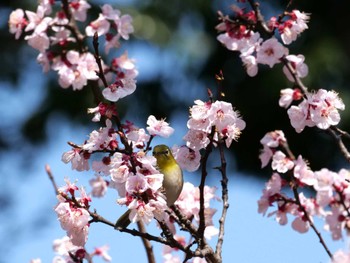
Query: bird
[172,181]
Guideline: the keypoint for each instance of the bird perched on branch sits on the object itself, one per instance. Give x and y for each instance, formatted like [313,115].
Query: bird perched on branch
[172,181]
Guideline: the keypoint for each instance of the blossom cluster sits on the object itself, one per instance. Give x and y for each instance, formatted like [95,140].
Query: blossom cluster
[206,116]
[66,252]
[188,204]
[239,34]
[316,109]
[332,189]
[56,36]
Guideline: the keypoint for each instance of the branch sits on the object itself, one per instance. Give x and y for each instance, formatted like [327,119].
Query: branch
[225,205]
[204,161]
[52,179]
[260,19]
[294,74]
[100,74]
[146,243]
[341,144]
[302,208]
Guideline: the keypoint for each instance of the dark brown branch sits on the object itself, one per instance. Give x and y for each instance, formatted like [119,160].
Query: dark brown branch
[146,243]
[100,74]
[261,24]
[204,161]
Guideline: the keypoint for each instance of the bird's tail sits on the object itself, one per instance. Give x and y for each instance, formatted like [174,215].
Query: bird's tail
[123,220]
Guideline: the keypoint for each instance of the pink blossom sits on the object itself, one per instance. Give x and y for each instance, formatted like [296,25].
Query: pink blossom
[39,41]
[281,163]
[288,96]
[99,186]
[102,139]
[294,26]
[272,187]
[77,159]
[335,222]
[101,25]
[63,246]
[110,13]
[270,52]
[303,173]
[44,61]
[341,257]
[301,20]
[119,89]
[74,221]
[300,225]
[324,110]
[250,64]
[265,156]
[17,22]
[324,186]
[187,158]
[273,139]
[136,184]
[196,140]
[124,25]
[298,65]
[102,252]
[141,211]
[62,36]
[79,9]
[37,21]
[139,137]
[154,181]
[76,70]
[222,115]
[158,127]
[299,116]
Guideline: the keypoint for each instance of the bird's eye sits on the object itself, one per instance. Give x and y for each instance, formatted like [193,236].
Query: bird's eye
[166,152]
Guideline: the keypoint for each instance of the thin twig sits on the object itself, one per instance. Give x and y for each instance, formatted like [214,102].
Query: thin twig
[341,144]
[302,208]
[52,179]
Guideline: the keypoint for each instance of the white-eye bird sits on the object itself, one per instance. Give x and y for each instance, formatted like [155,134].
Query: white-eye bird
[172,181]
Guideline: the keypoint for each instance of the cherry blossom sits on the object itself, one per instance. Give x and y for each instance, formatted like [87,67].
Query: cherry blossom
[273,139]
[270,52]
[281,163]
[99,186]
[102,252]
[187,158]
[288,96]
[158,127]
[303,173]
[298,65]
[17,22]
[79,9]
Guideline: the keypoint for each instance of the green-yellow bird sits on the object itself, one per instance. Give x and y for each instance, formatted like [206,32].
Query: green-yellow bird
[172,182]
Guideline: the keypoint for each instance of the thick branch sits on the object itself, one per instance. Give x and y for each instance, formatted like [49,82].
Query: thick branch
[146,243]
